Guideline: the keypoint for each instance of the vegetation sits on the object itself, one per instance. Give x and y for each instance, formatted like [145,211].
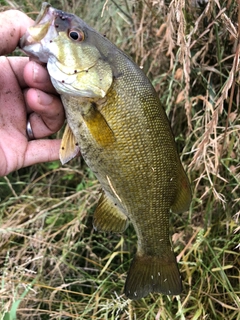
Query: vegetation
[53,264]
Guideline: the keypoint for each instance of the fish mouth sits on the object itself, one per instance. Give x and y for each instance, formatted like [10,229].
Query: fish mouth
[44,27]
[38,31]
[41,33]
[45,11]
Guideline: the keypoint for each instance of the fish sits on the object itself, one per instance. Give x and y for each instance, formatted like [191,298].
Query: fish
[116,121]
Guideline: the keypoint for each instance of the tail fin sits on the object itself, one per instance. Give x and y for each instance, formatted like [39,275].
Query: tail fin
[151,274]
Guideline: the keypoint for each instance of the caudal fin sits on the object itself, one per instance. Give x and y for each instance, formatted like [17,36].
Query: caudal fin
[149,274]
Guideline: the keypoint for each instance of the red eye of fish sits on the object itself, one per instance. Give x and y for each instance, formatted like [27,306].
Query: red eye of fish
[76,35]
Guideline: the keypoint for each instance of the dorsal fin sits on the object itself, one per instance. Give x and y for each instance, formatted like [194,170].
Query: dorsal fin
[184,194]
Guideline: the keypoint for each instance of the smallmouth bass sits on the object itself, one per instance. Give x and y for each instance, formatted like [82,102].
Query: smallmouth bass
[116,120]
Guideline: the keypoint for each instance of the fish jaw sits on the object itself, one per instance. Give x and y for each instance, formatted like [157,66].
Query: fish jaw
[35,42]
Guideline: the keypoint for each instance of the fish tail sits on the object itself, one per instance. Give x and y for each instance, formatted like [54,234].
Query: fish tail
[152,274]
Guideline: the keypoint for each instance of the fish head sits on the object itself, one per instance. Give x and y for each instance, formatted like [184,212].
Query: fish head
[66,44]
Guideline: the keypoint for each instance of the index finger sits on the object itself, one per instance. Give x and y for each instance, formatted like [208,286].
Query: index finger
[13,25]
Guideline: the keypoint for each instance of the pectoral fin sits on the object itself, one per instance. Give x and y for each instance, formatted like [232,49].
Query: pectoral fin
[98,126]
[69,147]
[108,217]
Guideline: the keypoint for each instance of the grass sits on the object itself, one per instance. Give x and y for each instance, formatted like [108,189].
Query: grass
[53,264]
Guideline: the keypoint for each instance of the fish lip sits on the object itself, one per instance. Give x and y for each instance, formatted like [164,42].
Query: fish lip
[44,10]
[47,11]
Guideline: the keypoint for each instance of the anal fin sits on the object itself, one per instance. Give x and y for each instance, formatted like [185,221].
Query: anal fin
[108,217]
[150,274]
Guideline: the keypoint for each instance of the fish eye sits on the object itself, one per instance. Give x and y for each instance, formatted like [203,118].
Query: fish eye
[76,35]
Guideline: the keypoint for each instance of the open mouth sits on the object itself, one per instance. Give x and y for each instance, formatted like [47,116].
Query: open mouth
[44,12]
[43,30]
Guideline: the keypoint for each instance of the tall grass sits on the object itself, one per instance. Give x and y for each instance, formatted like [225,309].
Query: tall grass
[53,264]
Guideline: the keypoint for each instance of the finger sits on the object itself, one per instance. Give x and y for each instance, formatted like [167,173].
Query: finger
[12,105]
[13,25]
[36,76]
[48,114]
[41,151]
[17,65]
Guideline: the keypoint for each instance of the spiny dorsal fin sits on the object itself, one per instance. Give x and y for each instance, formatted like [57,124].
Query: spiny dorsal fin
[108,217]
[69,147]
[150,274]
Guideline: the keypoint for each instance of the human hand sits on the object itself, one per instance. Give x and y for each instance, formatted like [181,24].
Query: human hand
[26,92]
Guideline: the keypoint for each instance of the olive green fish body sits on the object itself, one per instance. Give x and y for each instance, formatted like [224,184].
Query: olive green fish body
[139,173]
[124,136]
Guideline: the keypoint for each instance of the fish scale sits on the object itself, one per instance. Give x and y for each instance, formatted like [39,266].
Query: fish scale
[116,120]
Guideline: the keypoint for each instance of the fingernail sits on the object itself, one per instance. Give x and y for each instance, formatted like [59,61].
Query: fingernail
[44,98]
[39,76]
